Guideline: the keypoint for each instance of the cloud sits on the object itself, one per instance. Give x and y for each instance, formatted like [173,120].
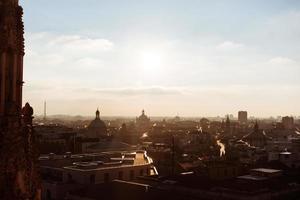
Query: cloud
[56,56]
[229,45]
[68,45]
[134,91]
[281,61]
[81,43]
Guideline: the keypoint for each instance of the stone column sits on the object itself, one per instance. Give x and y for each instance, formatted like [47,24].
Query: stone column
[20,80]
[14,78]
[2,82]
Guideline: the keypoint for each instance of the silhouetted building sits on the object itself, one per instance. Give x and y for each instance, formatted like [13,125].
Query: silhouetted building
[63,173]
[228,126]
[288,122]
[143,123]
[204,124]
[97,127]
[18,174]
[243,117]
[55,138]
[257,138]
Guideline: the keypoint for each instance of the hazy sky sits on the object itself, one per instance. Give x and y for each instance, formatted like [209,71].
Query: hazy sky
[186,57]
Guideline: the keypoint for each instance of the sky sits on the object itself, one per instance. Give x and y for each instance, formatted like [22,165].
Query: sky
[169,57]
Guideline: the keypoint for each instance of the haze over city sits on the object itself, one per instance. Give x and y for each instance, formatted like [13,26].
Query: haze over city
[149,99]
[203,58]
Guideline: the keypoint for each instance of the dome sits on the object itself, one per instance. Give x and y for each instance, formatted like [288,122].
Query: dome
[97,127]
[143,116]
[97,123]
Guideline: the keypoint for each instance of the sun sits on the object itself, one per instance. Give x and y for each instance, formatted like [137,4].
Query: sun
[151,60]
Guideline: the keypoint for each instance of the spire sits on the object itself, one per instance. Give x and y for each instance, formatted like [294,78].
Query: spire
[143,112]
[97,114]
[256,126]
[227,121]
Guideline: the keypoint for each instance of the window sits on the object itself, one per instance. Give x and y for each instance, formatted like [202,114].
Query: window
[92,178]
[106,177]
[141,172]
[70,178]
[131,175]
[120,175]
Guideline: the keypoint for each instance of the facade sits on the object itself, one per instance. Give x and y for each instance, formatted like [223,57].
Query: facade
[260,184]
[64,173]
[257,138]
[55,138]
[11,57]
[243,117]
[288,122]
[18,174]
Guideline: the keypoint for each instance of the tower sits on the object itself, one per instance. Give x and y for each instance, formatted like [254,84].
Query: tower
[18,155]
[11,57]
[97,114]
[242,117]
[227,125]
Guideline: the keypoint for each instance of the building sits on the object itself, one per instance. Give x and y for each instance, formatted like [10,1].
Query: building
[11,57]
[55,138]
[288,122]
[228,129]
[18,176]
[257,138]
[97,127]
[143,123]
[261,183]
[243,117]
[63,173]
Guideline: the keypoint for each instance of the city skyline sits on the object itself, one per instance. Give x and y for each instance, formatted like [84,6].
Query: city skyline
[192,59]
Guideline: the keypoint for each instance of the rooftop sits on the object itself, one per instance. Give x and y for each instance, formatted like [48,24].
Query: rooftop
[92,162]
[265,170]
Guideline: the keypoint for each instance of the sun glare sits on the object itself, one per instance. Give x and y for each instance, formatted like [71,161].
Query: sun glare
[151,60]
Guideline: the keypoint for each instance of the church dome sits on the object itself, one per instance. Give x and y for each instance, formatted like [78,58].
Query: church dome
[97,127]
[97,123]
[143,116]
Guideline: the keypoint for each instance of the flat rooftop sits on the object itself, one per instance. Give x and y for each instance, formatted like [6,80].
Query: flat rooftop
[252,178]
[92,162]
[266,170]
